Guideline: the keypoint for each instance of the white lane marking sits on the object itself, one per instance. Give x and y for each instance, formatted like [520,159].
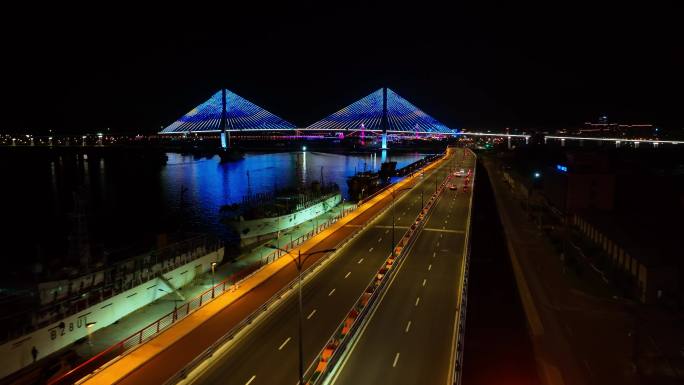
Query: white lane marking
[284,343]
[424,281]
[398,219]
[370,250]
[437,244]
[380,239]
[331,292]
[417,301]
[408,326]
[396,358]
[345,277]
[440,235]
[311,315]
[386,231]
[429,267]
[434,254]
[250,380]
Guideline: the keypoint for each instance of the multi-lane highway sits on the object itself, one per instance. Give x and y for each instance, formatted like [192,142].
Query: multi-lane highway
[409,337]
[267,354]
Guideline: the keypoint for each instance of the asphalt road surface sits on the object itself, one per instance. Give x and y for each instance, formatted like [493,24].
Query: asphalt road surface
[498,349]
[268,353]
[409,338]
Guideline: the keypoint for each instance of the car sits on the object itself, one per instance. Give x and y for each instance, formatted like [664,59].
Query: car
[460,172]
[453,187]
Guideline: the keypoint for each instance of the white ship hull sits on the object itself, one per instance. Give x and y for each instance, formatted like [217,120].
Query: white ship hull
[254,230]
[16,354]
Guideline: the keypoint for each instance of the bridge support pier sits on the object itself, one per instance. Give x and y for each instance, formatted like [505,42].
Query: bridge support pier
[384,141]
[509,142]
[636,144]
[224,139]
[617,144]
[562,142]
[655,144]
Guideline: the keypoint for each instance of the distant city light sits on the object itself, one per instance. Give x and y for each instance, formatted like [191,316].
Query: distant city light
[562,168]
[303,148]
[537,174]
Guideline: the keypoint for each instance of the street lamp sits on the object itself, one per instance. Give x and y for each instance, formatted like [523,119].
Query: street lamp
[299,263]
[213,270]
[393,195]
[89,329]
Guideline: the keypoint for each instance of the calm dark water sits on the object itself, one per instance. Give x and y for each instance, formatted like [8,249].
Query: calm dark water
[128,204]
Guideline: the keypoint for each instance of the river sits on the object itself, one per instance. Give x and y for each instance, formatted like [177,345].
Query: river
[125,206]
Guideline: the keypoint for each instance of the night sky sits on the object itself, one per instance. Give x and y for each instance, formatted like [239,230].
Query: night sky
[490,66]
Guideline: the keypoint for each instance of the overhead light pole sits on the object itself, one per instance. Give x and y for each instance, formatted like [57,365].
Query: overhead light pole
[299,263]
[213,271]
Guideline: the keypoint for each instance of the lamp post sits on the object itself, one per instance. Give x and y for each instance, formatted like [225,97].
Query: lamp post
[299,263]
[393,195]
[213,270]
[89,329]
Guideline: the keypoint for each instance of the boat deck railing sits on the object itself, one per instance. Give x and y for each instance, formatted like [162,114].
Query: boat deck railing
[98,286]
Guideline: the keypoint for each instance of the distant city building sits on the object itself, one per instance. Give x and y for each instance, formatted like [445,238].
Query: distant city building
[584,181]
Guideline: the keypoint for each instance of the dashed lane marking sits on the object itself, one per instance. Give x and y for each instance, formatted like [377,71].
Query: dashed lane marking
[284,343]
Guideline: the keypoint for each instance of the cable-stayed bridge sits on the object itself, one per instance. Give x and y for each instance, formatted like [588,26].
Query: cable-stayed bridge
[382,112]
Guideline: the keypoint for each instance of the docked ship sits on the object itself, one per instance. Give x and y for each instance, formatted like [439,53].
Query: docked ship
[264,215]
[64,306]
[365,183]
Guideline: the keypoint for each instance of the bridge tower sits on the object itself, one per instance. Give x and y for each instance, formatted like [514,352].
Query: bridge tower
[225,134]
[383,122]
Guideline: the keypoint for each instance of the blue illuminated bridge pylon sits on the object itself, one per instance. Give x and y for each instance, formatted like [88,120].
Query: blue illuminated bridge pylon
[226,112]
[382,111]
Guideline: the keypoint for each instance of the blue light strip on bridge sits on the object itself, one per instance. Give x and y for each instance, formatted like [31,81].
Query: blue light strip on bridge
[241,114]
[402,116]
